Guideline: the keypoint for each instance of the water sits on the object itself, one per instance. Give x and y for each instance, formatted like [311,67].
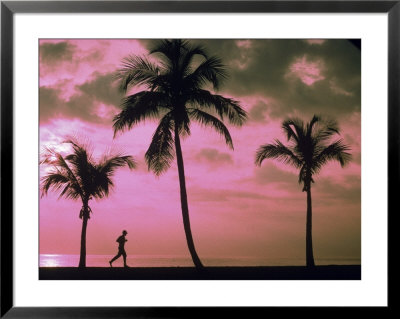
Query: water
[49,260]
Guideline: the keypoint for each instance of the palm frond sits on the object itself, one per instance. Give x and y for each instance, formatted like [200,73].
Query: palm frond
[182,121]
[161,150]
[209,120]
[191,52]
[298,133]
[224,107]
[337,151]
[139,107]
[136,70]
[54,180]
[277,151]
[62,164]
[111,162]
[47,156]
[169,52]
[325,131]
[81,163]
[309,127]
[211,70]
[100,184]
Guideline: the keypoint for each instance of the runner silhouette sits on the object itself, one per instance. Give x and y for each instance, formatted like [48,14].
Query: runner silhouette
[121,248]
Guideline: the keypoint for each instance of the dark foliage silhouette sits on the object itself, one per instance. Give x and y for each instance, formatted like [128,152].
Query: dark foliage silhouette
[174,92]
[78,176]
[309,148]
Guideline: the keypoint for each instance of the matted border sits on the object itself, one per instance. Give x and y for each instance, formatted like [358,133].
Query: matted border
[8,8]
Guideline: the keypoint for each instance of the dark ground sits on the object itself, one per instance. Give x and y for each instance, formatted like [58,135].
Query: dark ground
[351,272]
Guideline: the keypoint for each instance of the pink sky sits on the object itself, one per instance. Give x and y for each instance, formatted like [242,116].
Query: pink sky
[236,208]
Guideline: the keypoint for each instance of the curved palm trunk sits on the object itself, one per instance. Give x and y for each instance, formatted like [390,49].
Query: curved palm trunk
[184,202]
[85,217]
[309,246]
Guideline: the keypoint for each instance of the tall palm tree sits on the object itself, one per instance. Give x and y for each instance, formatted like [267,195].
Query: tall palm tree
[173,90]
[309,148]
[78,176]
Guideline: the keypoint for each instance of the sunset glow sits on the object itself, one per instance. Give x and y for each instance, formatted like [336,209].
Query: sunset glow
[236,208]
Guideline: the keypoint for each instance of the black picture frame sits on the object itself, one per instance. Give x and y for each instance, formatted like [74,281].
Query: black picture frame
[9,8]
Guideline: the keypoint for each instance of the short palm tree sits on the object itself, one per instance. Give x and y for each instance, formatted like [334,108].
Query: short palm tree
[78,176]
[309,148]
[173,91]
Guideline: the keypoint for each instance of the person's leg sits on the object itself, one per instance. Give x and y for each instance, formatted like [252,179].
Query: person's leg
[124,256]
[115,258]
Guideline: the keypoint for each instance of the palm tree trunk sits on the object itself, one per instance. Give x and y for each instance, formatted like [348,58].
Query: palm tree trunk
[85,217]
[184,202]
[309,246]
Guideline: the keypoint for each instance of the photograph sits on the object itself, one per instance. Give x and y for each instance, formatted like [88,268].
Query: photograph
[199,159]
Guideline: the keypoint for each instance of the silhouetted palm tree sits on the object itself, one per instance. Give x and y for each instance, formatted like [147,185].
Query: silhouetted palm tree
[308,150]
[173,90]
[79,176]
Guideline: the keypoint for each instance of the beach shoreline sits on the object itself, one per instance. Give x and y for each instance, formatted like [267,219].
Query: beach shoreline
[330,272]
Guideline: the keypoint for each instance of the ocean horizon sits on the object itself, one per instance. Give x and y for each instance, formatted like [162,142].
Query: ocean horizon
[58,260]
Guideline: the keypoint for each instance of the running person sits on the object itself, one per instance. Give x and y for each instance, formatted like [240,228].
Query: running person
[121,248]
